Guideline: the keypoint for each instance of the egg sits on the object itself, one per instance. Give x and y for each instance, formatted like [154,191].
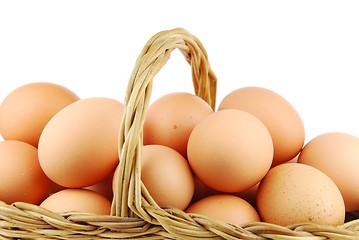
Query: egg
[77,200]
[225,207]
[336,154]
[78,146]
[166,175]
[27,109]
[21,177]
[280,117]
[294,193]
[171,118]
[230,150]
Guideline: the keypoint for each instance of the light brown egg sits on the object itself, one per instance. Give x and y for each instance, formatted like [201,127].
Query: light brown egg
[297,193]
[225,207]
[337,155]
[230,150]
[279,116]
[166,175]
[26,110]
[21,177]
[77,200]
[78,147]
[171,118]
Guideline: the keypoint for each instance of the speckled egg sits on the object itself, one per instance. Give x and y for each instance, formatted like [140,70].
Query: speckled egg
[296,193]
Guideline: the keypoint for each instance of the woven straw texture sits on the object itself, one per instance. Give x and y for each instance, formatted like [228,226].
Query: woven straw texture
[134,213]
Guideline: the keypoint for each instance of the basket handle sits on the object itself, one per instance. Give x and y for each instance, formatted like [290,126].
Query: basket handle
[131,197]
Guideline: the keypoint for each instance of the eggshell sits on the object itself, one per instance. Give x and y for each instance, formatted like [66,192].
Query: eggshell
[82,200]
[337,155]
[21,177]
[230,150]
[166,175]
[26,110]
[225,207]
[280,117]
[171,119]
[296,193]
[78,147]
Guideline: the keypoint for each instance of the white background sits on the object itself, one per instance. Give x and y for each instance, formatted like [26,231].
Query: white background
[307,51]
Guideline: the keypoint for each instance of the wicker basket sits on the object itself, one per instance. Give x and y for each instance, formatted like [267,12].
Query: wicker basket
[134,213]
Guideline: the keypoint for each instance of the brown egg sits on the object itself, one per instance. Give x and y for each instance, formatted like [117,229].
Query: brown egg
[26,110]
[21,177]
[166,175]
[79,200]
[279,116]
[171,119]
[78,147]
[230,150]
[225,207]
[336,154]
[296,193]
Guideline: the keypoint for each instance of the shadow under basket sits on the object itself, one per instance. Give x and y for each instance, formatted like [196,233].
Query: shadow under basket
[134,213]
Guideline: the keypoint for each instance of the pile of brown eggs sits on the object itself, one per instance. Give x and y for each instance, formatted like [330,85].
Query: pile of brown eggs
[245,161]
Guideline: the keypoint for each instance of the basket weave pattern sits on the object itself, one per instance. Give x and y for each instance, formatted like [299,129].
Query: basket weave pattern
[134,213]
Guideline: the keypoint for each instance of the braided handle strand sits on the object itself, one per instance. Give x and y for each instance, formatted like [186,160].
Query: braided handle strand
[131,197]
